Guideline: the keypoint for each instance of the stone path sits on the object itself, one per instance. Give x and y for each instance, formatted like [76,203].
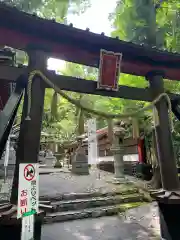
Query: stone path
[141,223]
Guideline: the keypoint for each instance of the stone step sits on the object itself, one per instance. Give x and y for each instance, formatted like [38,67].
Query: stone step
[86,213]
[60,206]
[73,196]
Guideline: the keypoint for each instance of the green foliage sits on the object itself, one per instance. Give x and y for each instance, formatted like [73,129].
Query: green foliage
[63,126]
[60,118]
[24,5]
[150,24]
[79,117]
[57,9]
[140,21]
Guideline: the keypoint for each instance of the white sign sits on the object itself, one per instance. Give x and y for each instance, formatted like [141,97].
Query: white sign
[27,232]
[28,190]
[92,142]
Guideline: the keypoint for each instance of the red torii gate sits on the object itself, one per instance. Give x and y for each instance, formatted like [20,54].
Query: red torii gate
[41,38]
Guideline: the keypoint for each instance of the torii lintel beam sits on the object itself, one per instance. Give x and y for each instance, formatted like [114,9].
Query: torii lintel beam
[81,85]
[23,31]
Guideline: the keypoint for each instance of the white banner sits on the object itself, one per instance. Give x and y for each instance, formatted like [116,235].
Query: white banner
[28,190]
[27,232]
[92,142]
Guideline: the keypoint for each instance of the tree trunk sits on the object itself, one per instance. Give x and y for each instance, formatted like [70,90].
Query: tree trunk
[110,130]
[54,106]
[155,182]
[81,123]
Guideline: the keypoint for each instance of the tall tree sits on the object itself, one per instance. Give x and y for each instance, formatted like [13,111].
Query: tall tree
[89,73]
[151,23]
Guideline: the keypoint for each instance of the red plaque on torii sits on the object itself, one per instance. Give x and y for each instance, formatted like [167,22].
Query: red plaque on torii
[109,70]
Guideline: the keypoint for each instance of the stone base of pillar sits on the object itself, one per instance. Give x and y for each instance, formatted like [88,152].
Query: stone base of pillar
[169,208]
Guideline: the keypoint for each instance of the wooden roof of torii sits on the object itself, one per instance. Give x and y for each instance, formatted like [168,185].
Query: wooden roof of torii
[22,31]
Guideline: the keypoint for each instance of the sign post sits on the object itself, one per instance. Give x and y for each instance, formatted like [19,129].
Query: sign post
[6,158]
[27,232]
[92,142]
[28,198]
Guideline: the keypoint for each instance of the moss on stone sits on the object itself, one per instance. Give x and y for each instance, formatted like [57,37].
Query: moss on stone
[129,187]
[126,206]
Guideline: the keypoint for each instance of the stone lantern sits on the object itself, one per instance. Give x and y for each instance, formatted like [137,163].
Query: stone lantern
[118,151]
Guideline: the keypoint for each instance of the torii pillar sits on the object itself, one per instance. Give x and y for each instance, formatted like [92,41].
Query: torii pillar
[30,132]
[169,197]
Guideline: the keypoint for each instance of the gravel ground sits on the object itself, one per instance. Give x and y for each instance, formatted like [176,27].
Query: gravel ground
[62,181]
[66,182]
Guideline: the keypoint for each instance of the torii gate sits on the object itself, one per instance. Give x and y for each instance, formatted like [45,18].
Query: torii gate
[41,39]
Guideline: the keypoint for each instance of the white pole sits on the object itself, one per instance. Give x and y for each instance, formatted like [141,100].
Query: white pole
[92,144]
[6,158]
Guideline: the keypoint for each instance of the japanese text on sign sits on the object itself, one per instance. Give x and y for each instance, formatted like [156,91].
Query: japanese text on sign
[28,191]
[23,201]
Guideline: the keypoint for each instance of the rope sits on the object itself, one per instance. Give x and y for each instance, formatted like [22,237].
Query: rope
[93,111]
